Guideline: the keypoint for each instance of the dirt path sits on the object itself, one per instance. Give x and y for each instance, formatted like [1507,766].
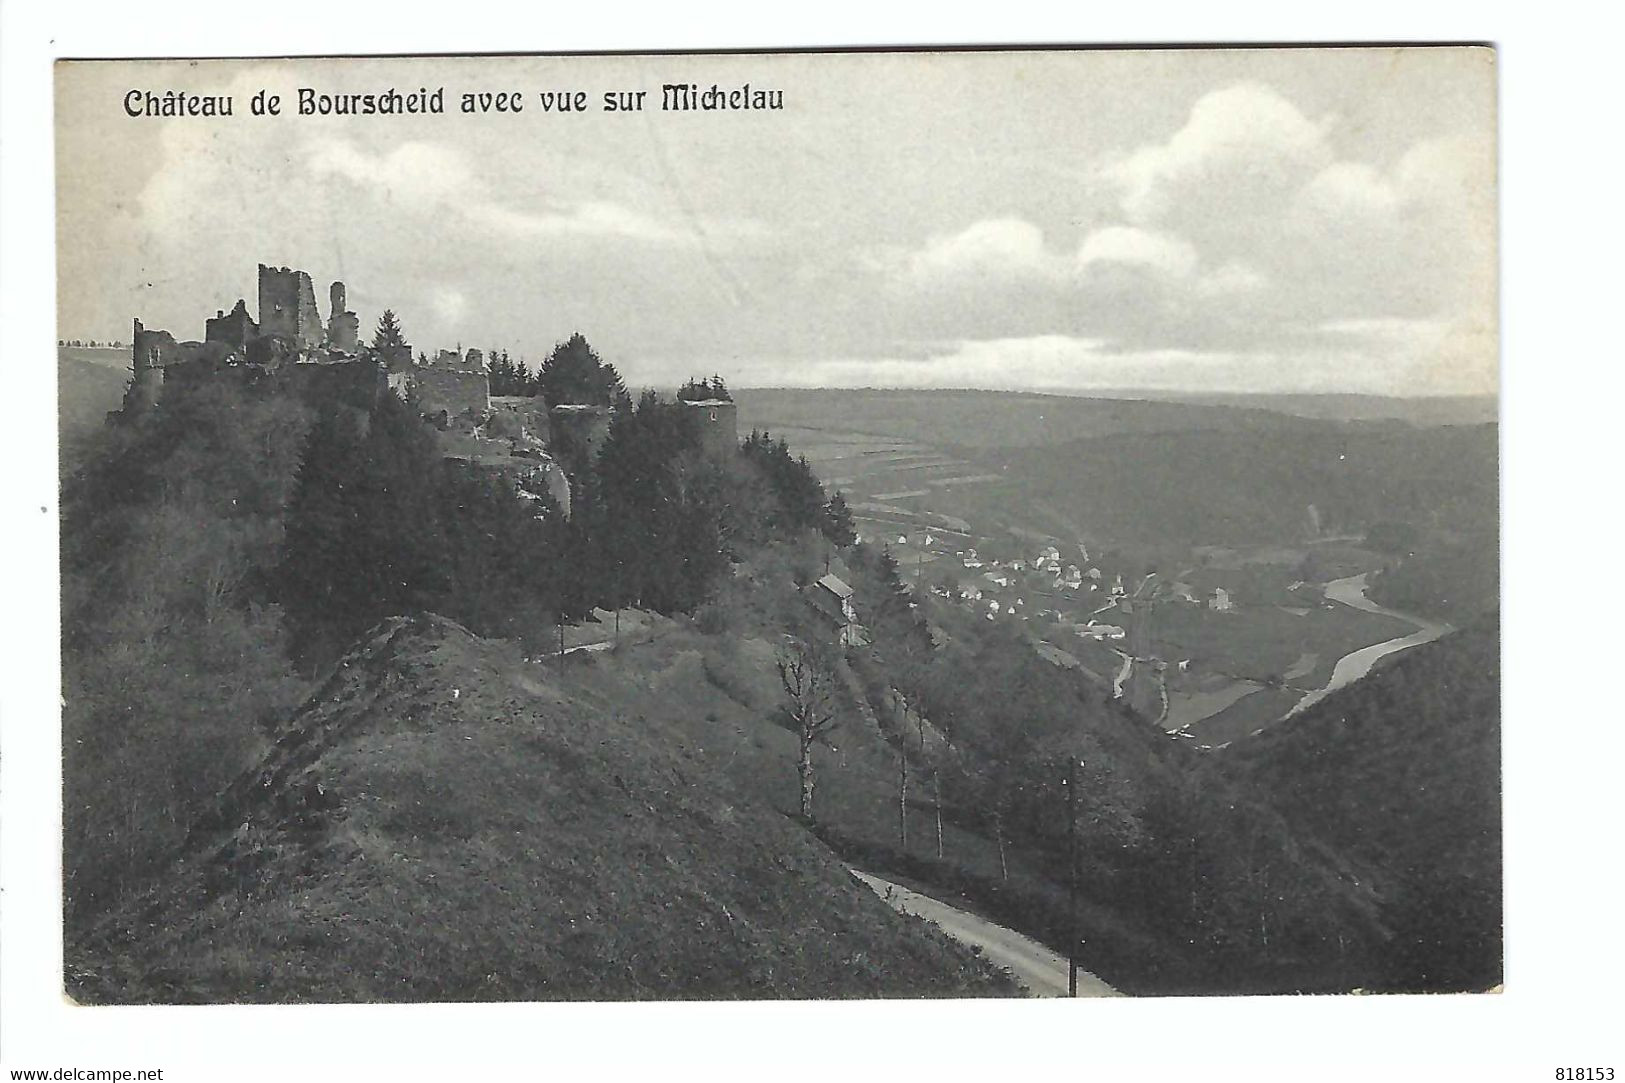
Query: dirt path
[1040,971]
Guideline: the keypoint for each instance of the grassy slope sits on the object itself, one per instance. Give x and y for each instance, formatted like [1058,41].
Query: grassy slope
[444,820]
[1401,772]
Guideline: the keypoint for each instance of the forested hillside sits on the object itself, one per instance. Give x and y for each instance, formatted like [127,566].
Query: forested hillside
[1401,772]
[222,551]
[315,599]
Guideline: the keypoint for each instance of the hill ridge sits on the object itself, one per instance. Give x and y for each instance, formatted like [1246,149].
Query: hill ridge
[434,775]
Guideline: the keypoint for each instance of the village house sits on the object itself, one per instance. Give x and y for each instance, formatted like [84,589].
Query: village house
[832,597]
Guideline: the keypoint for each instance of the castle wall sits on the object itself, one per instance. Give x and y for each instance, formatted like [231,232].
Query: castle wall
[456,393]
[586,425]
[516,415]
[145,390]
[151,349]
[460,361]
[288,307]
[235,328]
[156,359]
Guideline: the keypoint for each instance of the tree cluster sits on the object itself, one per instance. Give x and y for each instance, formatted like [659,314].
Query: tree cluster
[704,390]
[799,499]
[510,377]
[574,373]
[379,524]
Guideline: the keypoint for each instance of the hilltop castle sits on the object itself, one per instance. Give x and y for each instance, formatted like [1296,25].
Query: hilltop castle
[289,338]
[292,349]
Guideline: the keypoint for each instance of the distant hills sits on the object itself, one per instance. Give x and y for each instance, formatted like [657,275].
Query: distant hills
[89,385]
[1022,418]
[1418,410]
[986,418]
[1254,484]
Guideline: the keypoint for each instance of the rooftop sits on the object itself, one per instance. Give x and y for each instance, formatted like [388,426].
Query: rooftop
[835,586]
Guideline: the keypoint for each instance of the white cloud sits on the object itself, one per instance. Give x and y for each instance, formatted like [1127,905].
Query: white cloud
[1056,362]
[990,248]
[1348,188]
[1389,355]
[585,219]
[1232,279]
[1389,328]
[425,177]
[417,175]
[1133,246]
[1239,143]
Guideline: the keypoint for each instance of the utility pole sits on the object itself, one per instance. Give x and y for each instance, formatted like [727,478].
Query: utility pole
[936,802]
[1071,784]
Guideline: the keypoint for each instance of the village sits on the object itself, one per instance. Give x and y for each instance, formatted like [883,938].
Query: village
[1206,642]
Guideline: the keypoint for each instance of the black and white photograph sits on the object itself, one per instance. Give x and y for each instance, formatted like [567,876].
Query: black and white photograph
[919,524]
[796,545]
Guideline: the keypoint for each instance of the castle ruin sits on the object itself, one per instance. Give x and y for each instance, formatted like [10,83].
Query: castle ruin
[288,307]
[343,326]
[717,423]
[292,348]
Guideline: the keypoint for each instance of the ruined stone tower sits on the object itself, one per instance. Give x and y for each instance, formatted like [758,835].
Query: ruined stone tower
[288,307]
[343,327]
[149,352]
[717,423]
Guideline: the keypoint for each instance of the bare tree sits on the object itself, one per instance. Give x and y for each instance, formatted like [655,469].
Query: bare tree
[809,685]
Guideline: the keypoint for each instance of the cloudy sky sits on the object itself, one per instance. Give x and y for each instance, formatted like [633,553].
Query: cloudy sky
[1207,221]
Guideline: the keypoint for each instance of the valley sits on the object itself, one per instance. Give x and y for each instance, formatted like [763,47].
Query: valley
[1038,581]
[1190,555]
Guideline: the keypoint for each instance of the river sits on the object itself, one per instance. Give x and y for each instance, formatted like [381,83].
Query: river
[1351,667]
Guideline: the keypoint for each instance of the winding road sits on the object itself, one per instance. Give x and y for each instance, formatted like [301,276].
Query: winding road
[1038,970]
[1123,674]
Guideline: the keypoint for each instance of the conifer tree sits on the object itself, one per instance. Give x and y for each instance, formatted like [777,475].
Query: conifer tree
[389,335]
[838,526]
[574,373]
